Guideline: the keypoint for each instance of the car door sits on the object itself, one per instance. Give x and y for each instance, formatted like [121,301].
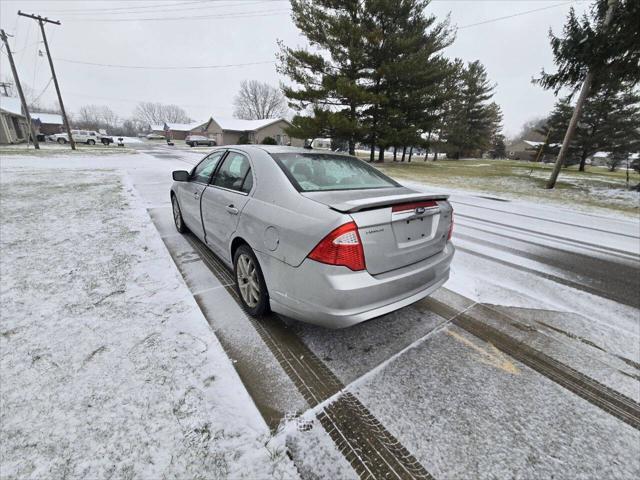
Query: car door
[190,192]
[224,200]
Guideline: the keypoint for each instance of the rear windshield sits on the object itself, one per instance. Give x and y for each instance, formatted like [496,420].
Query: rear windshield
[312,172]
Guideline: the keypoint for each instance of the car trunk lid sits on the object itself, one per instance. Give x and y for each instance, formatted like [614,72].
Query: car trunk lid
[397,227]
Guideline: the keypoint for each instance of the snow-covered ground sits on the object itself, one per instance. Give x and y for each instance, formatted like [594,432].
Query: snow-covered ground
[113,370]
[108,368]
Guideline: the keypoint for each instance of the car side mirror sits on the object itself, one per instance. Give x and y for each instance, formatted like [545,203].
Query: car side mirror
[181,176]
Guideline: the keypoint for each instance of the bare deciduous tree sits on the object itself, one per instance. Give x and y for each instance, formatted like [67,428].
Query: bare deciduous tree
[257,100]
[95,117]
[155,113]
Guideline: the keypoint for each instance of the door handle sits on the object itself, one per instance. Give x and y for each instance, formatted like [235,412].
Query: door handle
[196,194]
[231,209]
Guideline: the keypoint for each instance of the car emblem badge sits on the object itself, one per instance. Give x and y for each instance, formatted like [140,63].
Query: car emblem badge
[419,210]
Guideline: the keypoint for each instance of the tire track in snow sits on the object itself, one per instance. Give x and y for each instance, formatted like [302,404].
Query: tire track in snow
[366,444]
[578,243]
[631,301]
[542,219]
[603,397]
[621,280]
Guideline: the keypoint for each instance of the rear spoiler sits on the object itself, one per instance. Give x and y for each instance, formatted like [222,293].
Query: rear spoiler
[352,206]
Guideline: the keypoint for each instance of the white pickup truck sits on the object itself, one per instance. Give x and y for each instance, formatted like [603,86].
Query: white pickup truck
[90,137]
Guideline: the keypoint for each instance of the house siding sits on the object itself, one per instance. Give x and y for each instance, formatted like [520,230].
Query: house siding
[277,132]
[8,133]
[211,130]
[49,128]
[177,134]
[232,137]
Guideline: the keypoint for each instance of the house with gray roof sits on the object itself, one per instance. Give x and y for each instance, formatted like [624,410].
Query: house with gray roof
[231,131]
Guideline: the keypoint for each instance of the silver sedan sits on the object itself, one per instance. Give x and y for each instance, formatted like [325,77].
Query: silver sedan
[317,236]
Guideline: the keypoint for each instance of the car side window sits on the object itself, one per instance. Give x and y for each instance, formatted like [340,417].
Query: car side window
[233,171]
[202,172]
[248,182]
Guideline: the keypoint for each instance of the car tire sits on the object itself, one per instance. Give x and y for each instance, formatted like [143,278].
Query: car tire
[211,144]
[250,282]
[177,215]
[91,142]
[61,141]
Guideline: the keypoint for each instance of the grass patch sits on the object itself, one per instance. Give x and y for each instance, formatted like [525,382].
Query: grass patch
[596,188]
[55,149]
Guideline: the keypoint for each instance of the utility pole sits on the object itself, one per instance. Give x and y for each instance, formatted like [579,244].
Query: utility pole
[42,21]
[4,86]
[20,92]
[543,147]
[577,111]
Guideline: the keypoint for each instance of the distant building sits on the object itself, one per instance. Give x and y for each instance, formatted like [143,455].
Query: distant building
[47,123]
[179,131]
[157,129]
[527,150]
[13,124]
[231,131]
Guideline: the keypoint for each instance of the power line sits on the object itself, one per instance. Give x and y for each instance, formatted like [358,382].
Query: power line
[161,9]
[497,19]
[247,14]
[43,91]
[143,67]
[128,7]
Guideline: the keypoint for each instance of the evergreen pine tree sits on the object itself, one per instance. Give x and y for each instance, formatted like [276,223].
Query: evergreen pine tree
[373,74]
[329,82]
[470,117]
[407,70]
[611,54]
[610,122]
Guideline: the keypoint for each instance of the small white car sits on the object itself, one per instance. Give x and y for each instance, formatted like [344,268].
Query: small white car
[155,136]
[80,136]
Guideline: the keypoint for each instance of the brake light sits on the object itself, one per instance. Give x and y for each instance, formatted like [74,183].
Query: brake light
[341,247]
[402,207]
[450,228]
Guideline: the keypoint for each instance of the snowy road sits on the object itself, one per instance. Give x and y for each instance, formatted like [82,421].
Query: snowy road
[526,365]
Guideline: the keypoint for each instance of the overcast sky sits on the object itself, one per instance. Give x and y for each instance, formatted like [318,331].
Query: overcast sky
[223,32]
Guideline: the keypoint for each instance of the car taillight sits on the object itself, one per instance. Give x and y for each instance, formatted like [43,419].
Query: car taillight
[402,207]
[450,228]
[341,247]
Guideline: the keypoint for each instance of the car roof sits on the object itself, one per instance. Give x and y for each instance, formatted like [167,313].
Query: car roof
[284,149]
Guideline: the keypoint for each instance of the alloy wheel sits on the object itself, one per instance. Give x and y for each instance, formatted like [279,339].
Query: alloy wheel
[248,280]
[177,218]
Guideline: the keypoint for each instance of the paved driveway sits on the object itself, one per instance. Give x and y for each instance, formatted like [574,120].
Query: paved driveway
[526,365]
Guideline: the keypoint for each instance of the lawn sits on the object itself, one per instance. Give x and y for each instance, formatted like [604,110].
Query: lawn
[597,188]
[47,149]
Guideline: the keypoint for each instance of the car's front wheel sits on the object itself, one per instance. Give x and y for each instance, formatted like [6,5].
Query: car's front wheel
[250,283]
[61,141]
[91,142]
[177,215]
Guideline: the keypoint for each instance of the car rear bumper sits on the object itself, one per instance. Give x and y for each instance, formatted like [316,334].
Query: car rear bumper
[337,297]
